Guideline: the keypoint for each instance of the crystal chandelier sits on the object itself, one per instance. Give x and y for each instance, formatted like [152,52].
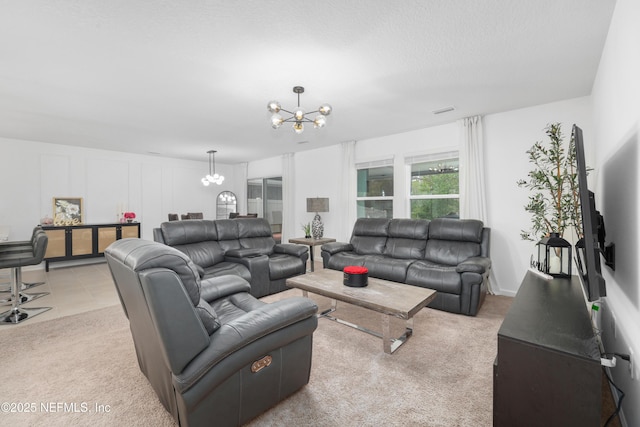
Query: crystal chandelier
[298,116]
[212,176]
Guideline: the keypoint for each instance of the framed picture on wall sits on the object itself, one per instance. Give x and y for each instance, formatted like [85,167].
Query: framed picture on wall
[67,211]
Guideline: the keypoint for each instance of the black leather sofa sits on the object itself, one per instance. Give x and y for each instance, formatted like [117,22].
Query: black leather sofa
[448,255]
[242,247]
[213,354]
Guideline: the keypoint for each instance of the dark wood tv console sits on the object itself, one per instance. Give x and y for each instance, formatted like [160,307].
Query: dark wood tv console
[547,371]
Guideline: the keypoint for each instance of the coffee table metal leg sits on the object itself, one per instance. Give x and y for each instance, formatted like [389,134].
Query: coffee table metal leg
[392,344]
[389,344]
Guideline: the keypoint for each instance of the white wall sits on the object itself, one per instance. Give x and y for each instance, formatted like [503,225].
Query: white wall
[616,104]
[318,175]
[507,138]
[33,173]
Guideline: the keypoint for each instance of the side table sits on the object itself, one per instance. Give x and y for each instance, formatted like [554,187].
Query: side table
[311,242]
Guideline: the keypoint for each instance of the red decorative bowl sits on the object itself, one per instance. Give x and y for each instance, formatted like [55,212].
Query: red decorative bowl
[355,276]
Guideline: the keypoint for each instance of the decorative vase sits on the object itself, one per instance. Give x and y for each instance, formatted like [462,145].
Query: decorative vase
[129,220]
[317,227]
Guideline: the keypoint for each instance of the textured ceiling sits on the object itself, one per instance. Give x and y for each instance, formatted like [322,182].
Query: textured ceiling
[181,77]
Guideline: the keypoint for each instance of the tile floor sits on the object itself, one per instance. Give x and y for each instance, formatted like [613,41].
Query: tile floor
[72,290]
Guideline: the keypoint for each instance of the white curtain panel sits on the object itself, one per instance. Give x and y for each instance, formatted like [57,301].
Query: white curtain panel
[347,191]
[288,197]
[472,190]
[241,196]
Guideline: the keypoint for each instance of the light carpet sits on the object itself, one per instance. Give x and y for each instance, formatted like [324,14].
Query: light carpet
[82,370]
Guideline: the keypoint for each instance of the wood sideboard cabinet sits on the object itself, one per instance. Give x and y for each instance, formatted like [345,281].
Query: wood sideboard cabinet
[547,372]
[72,242]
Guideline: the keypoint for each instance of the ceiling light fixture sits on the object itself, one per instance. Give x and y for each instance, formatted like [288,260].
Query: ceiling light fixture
[298,116]
[212,177]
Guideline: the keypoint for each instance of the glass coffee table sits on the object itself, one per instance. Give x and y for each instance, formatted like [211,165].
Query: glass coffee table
[391,299]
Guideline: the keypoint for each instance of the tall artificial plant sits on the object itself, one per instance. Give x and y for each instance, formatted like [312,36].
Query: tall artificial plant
[553,202]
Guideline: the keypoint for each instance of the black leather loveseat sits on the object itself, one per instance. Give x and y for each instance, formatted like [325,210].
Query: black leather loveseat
[242,247]
[448,255]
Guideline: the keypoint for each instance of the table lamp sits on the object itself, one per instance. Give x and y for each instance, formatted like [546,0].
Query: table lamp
[317,204]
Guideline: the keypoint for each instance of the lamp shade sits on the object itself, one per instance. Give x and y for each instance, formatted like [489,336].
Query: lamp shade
[318,204]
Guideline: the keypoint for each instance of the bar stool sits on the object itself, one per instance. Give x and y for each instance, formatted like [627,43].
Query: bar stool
[15,261]
[19,246]
[24,248]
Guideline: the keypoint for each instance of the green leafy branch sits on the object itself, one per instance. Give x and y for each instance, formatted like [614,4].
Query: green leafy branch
[553,202]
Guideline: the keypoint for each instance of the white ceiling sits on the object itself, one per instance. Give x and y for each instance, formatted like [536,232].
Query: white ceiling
[179,78]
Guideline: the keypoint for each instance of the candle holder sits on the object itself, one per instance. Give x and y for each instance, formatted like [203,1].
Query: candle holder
[554,256]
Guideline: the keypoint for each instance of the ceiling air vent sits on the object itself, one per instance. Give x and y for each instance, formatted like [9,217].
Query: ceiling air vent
[444,110]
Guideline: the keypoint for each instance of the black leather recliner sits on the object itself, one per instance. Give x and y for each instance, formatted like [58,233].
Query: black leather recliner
[214,354]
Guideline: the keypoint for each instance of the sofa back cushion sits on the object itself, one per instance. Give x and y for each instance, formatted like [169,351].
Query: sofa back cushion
[228,234]
[369,236]
[451,241]
[183,232]
[198,239]
[255,233]
[407,238]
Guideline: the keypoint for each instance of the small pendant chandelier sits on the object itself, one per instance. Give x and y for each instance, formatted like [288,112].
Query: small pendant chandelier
[298,116]
[212,176]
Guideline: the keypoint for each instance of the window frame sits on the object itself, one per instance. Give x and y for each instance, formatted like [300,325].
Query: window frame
[385,162]
[438,155]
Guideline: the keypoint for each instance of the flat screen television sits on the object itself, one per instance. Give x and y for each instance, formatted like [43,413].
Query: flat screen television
[592,242]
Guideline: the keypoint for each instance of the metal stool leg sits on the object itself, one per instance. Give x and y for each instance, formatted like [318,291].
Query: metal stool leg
[23,297]
[6,287]
[18,314]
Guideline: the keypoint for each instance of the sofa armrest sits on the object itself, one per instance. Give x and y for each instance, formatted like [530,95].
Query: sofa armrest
[243,252]
[218,287]
[290,249]
[245,330]
[258,267]
[478,265]
[335,247]
[157,235]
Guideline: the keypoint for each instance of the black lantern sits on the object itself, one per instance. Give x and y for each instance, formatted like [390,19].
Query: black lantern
[554,256]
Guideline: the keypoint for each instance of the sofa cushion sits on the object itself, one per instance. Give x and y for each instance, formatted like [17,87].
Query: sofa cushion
[225,267]
[451,241]
[282,266]
[184,232]
[204,254]
[387,268]
[369,236]
[442,278]
[343,259]
[463,230]
[253,227]
[227,234]
[407,238]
